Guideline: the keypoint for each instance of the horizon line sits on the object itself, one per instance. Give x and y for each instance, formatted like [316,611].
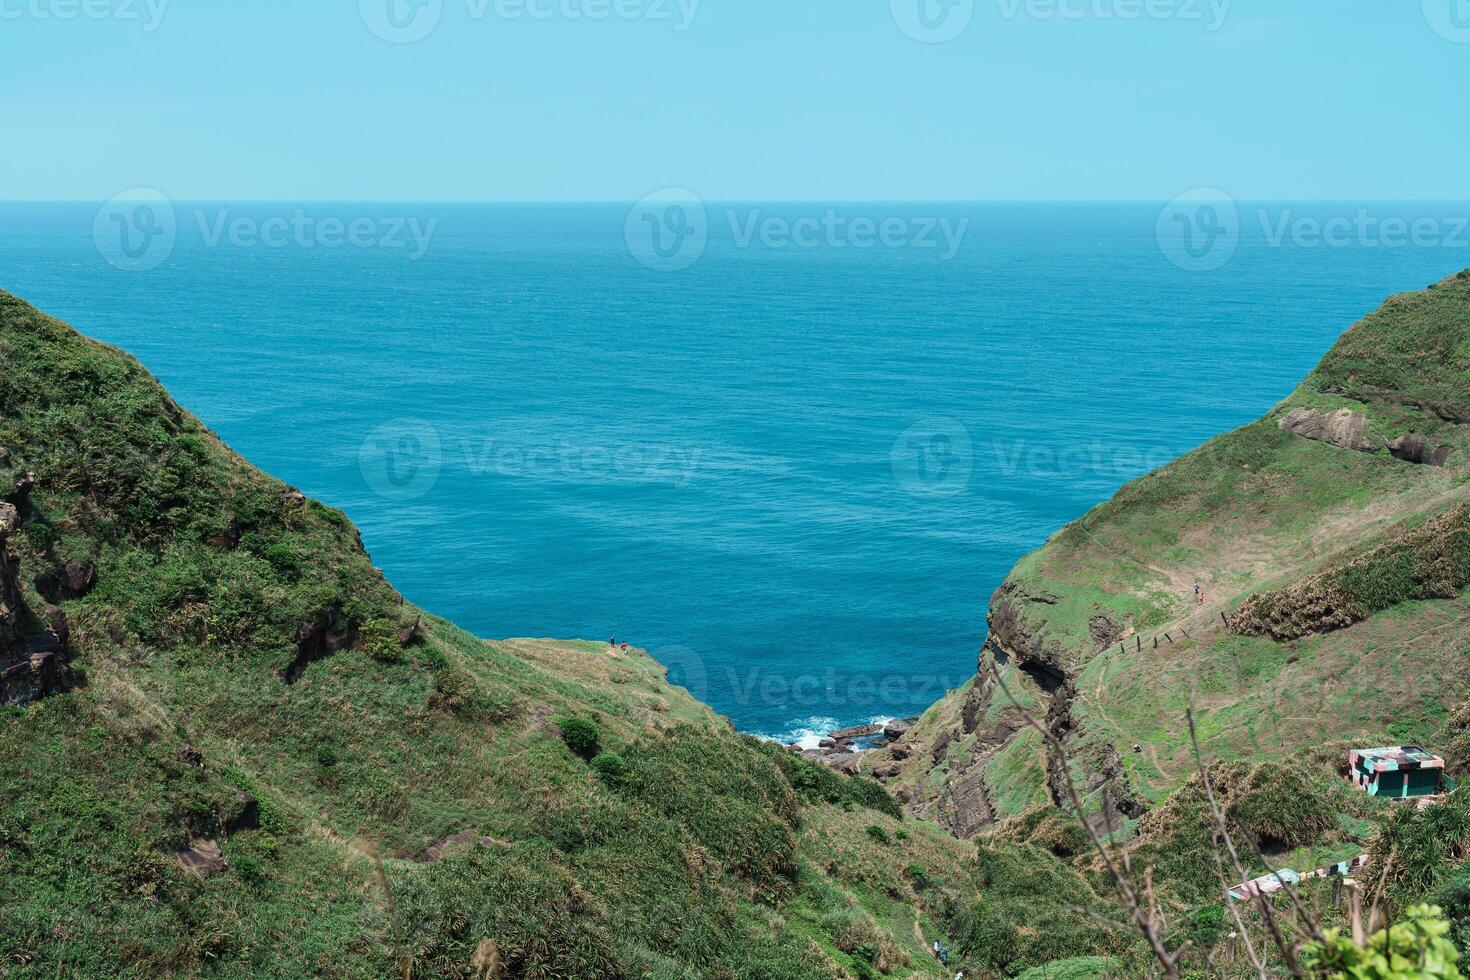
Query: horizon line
[573,202]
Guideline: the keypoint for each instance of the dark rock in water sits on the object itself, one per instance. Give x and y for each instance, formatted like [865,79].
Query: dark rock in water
[243,813]
[895,730]
[827,743]
[203,857]
[856,731]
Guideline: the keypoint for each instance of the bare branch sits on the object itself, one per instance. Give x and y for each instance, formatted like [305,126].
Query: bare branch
[1142,920]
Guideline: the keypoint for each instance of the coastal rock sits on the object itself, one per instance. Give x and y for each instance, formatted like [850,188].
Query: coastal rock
[203,857]
[316,639]
[895,730]
[32,665]
[1344,428]
[410,633]
[70,580]
[243,813]
[1105,632]
[1412,448]
[970,712]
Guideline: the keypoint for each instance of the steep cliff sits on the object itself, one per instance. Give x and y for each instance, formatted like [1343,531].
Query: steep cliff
[1329,548]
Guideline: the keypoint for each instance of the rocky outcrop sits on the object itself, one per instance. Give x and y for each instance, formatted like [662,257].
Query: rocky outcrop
[202,857]
[69,580]
[32,647]
[321,637]
[1412,448]
[1348,429]
[1345,428]
[1424,562]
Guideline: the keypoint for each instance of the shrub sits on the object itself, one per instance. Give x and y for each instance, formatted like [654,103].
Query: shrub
[1454,898]
[610,768]
[380,641]
[879,834]
[1205,925]
[1415,948]
[283,557]
[581,736]
[817,783]
[921,877]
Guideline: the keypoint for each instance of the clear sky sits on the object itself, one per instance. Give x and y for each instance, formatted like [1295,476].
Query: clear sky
[737,99]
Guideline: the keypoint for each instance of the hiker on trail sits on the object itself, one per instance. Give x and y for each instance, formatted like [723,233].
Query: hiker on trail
[613,642]
[937,954]
[625,647]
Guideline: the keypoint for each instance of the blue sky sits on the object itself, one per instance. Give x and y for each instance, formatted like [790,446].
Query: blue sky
[736,99]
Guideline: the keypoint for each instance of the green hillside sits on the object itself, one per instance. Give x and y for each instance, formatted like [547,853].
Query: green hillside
[230,749]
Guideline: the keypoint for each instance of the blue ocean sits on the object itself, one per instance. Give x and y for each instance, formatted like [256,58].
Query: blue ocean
[789,449]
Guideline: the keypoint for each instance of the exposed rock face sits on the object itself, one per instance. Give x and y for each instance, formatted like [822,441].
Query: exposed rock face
[203,857]
[71,580]
[1345,429]
[319,638]
[32,647]
[1413,448]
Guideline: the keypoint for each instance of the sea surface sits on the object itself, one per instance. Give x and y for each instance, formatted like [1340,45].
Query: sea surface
[790,449]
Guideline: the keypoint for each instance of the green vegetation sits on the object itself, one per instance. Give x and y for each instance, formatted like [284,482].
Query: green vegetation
[385,791]
[581,736]
[1414,949]
[389,794]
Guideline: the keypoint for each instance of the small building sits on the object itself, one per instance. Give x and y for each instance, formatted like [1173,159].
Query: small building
[1397,773]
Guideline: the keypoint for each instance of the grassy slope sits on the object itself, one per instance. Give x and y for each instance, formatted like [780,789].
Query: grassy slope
[1255,509]
[713,855]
